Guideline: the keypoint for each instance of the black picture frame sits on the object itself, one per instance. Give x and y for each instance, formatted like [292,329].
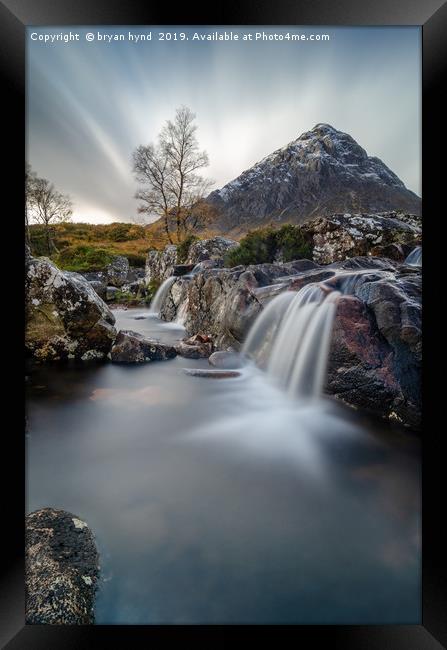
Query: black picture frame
[15,15]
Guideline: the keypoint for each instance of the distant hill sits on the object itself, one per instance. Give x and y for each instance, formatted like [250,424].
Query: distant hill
[322,172]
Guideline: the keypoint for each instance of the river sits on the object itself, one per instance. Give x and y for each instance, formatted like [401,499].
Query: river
[225,500]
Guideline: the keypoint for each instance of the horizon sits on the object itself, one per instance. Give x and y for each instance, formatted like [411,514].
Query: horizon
[92,104]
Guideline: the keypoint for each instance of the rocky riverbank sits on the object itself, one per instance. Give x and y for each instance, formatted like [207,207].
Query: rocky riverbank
[375,352]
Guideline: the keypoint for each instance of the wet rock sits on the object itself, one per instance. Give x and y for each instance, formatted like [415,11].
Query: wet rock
[211,374]
[132,347]
[61,564]
[118,271]
[65,317]
[226,360]
[199,346]
[376,350]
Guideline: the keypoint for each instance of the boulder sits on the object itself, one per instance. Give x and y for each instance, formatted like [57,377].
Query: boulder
[118,271]
[210,249]
[199,346]
[61,569]
[160,264]
[349,235]
[65,317]
[100,288]
[132,347]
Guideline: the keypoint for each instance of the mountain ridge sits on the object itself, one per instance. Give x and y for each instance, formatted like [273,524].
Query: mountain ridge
[321,172]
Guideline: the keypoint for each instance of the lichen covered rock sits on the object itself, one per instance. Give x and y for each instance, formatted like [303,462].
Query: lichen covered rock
[65,317]
[118,271]
[349,235]
[61,566]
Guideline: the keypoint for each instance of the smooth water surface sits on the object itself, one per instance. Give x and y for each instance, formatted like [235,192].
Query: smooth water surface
[224,500]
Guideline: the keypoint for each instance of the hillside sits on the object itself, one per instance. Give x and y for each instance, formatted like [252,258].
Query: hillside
[90,247]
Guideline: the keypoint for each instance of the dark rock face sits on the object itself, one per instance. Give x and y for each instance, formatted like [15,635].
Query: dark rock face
[375,359]
[182,269]
[118,271]
[351,235]
[61,563]
[132,347]
[65,317]
[322,172]
[199,346]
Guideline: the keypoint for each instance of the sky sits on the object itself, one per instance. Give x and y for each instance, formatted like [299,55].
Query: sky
[91,103]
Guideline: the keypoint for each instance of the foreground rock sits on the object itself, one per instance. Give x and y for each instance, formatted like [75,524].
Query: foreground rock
[199,346]
[61,564]
[339,236]
[375,357]
[132,347]
[65,317]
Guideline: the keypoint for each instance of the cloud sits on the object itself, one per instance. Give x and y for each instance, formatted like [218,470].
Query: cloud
[90,105]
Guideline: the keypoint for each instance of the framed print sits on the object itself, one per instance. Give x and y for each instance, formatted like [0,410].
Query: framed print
[228,403]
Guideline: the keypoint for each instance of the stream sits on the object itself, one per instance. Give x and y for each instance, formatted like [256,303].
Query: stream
[226,500]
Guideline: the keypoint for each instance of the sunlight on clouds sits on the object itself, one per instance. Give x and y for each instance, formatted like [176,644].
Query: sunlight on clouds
[89,107]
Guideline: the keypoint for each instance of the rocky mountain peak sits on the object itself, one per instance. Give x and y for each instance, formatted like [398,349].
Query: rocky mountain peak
[323,171]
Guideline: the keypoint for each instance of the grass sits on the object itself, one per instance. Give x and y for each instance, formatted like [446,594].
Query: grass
[90,247]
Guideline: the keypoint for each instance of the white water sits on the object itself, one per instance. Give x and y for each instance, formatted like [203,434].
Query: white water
[415,257]
[291,337]
[161,294]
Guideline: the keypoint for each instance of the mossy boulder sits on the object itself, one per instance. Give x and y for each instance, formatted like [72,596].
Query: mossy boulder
[65,317]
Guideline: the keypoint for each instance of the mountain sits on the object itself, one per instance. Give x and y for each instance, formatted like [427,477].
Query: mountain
[322,172]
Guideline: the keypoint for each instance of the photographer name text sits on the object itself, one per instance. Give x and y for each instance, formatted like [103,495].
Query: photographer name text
[107,38]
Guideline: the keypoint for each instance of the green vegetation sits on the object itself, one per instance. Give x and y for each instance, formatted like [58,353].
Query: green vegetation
[90,247]
[183,248]
[269,244]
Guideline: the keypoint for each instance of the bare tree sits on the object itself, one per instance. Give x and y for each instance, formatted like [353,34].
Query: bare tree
[172,188]
[30,178]
[45,205]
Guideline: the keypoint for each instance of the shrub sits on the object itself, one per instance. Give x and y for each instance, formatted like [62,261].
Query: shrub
[83,258]
[267,245]
[184,246]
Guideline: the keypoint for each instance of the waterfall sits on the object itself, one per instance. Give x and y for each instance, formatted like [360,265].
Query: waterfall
[291,338]
[162,292]
[415,257]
